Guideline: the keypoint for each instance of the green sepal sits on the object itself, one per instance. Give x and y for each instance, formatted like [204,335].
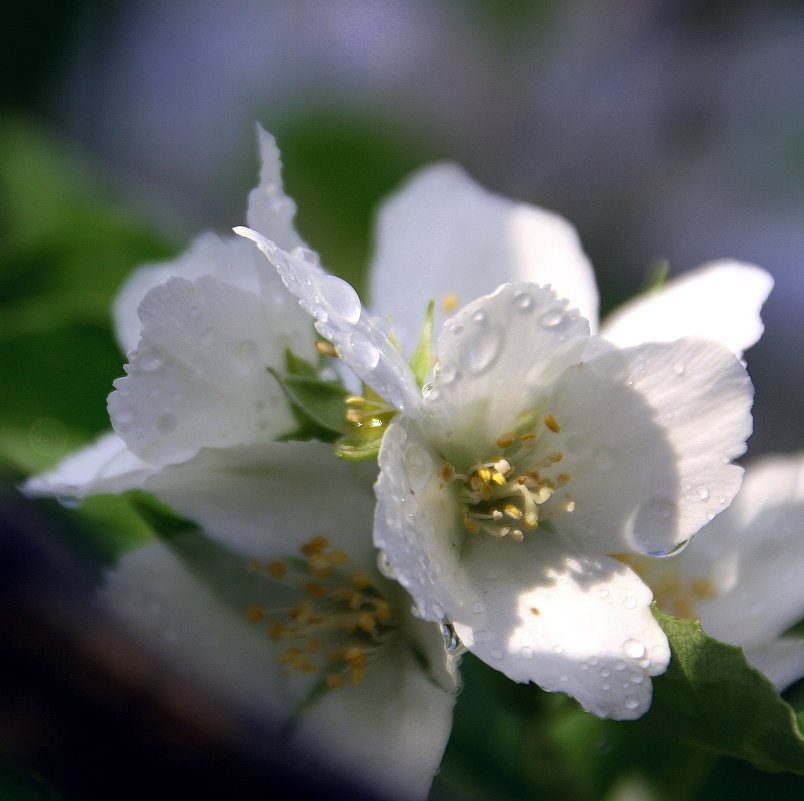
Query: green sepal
[354,449]
[712,698]
[422,361]
[162,520]
[656,276]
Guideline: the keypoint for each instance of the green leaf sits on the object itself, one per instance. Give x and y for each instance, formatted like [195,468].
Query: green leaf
[323,402]
[712,698]
[422,360]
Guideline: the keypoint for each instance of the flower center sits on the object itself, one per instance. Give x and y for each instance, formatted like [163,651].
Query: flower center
[503,495]
[340,620]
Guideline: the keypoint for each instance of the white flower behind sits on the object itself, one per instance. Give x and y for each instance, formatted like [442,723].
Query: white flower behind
[283,611]
[741,575]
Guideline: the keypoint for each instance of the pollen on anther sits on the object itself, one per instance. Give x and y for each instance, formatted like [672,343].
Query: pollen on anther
[447,472]
[450,302]
[551,422]
[315,546]
[470,525]
[562,479]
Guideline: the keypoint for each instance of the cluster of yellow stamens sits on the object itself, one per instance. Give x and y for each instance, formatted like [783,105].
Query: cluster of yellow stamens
[335,600]
[502,496]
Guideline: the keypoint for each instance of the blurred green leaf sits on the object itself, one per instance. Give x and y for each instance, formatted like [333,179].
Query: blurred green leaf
[422,361]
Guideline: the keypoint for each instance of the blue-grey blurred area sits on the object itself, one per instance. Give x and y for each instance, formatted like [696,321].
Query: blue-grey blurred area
[661,129]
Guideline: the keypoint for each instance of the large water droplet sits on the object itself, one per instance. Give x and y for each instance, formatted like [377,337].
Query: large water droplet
[479,317]
[310,256]
[523,301]
[634,649]
[364,353]
[483,349]
[654,525]
[339,299]
[631,702]
[418,467]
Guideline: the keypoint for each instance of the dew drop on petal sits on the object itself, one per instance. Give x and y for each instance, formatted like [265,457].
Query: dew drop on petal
[526,652]
[479,317]
[634,649]
[630,603]
[149,361]
[631,702]
[654,525]
[437,610]
[384,565]
[418,468]
[483,350]
[552,318]
[703,493]
[496,653]
[339,299]
[523,301]
[364,353]
[678,368]
[478,608]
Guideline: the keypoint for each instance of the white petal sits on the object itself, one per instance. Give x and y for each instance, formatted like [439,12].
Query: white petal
[270,210]
[271,498]
[570,623]
[741,574]
[444,235]
[391,730]
[209,254]
[361,344]
[719,301]
[497,358]
[648,435]
[198,376]
[782,660]
[105,467]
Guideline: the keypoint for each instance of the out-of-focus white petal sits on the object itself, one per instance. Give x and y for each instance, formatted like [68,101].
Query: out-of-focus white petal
[339,317]
[270,210]
[198,376]
[105,467]
[781,660]
[648,435]
[444,237]
[243,496]
[719,301]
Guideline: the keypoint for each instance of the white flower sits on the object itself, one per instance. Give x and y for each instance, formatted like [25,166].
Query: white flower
[291,606]
[195,423]
[200,332]
[538,451]
[741,575]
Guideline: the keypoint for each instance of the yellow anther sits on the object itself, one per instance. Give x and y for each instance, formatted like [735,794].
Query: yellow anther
[354,416]
[334,680]
[551,422]
[355,400]
[382,609]
[506,440]
[325,348]
[254,566]
[312,645]
[484,474]
[315,546]
[527,439]
[360,581]
[255,614]
[512,511]
[562,479]
[702,589]
[498,479]
[277,570]
[450,302]
[276,631]
[555,456]
[315,590]
[447,472]
[353,654]
[367,622]
[470,525]
[338,557]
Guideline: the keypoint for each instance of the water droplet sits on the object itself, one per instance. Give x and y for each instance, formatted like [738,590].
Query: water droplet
[150,361]
[557,649]
[629,380]
[721,499]
[605,686]
[124,415]
[603,592]
[523,301]
[634,649]
[167,423]
[630,603]
[496,653]
[637,678]
[678,368]
[593,660]
[246,355]
[339,299]
[526,652]
[552,318]
[479,318]
[631,702]
[384,565]
[478,608]
[654,525]
[605,673]
[563,678]
[457,330]
[437,610]
[310,256]
[703,493]
[483,349]
[418,467]
[365,354]
[453,644]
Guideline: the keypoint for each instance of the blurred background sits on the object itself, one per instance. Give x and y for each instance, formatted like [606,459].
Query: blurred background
[663,130]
